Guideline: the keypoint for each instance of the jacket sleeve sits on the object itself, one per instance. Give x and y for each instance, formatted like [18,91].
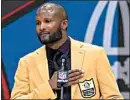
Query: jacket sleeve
[21,89]
[107,82]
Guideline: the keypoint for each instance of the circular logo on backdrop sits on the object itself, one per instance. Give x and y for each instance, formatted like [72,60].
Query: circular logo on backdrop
[120,66]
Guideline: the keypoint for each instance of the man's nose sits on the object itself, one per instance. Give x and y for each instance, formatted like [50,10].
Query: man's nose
[43,26]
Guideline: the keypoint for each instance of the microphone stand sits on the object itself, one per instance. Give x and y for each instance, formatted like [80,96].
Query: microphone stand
[61,96]
[62,88]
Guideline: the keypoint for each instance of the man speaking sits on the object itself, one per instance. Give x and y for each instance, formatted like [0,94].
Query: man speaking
[84,66]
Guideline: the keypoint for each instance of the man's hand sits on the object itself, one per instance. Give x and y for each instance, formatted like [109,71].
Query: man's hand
[73,78]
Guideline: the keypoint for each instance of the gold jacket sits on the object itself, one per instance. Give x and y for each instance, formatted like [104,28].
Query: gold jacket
[32,75]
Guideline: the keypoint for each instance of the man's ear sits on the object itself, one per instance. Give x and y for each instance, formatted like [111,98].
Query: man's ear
[64,24]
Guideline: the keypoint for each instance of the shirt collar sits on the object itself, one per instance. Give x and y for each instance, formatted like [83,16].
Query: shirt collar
[65,47]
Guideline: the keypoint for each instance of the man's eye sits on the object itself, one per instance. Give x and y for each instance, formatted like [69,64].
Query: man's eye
[47,21]
[38,23]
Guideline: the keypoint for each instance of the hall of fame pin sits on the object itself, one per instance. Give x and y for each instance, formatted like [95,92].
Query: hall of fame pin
[87,88]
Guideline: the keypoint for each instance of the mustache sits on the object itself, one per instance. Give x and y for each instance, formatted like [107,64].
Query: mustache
[44,32]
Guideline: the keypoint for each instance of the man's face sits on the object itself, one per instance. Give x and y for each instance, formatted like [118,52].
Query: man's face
[48,26]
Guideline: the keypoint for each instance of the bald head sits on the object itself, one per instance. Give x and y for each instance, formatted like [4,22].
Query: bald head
[53,8]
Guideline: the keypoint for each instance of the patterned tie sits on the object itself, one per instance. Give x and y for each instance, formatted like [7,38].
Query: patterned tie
[55,58]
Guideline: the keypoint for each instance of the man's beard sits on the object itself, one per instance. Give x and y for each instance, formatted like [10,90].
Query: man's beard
[53,37]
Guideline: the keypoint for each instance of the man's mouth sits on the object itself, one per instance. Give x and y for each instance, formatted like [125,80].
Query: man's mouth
[45,33]
[42,34]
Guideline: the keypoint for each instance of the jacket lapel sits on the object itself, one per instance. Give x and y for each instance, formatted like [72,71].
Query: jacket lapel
[42,63]
[77,55]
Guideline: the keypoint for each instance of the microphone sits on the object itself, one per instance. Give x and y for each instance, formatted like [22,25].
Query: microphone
[63,62]
[62,77]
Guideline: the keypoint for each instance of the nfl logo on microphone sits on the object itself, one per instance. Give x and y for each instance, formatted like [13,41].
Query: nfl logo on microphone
[62,78]
[62,75]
